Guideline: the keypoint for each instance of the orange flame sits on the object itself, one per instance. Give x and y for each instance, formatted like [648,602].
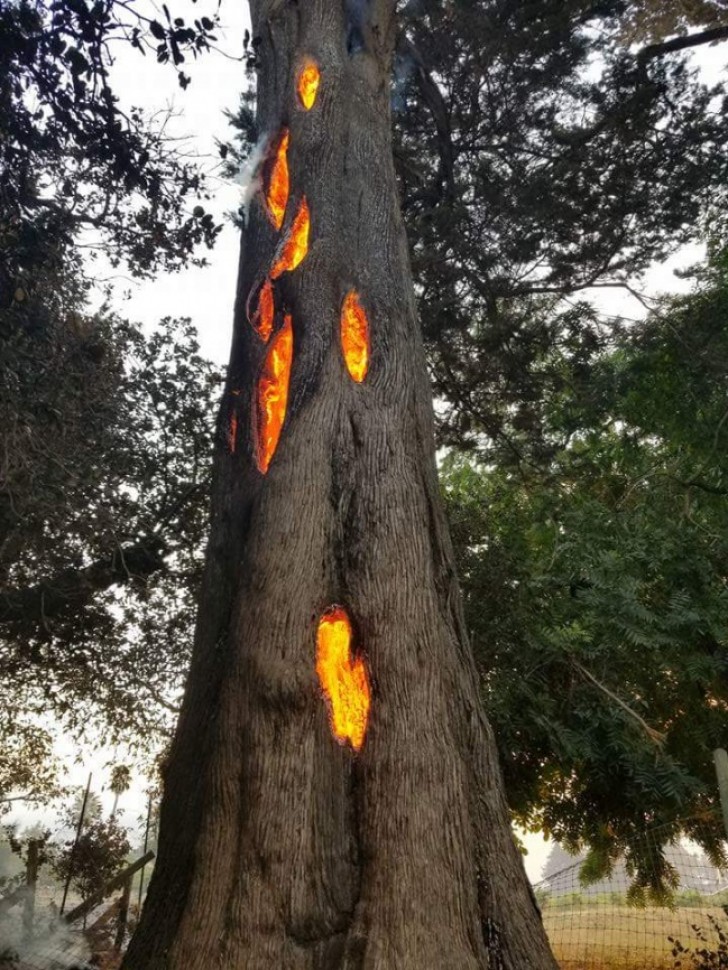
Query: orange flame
[262,319]
[355,336]
[344,680]
[273,393]
[277,195]
[309,79]
[296,244]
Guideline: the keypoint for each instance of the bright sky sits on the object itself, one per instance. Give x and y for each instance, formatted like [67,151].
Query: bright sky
[206,295]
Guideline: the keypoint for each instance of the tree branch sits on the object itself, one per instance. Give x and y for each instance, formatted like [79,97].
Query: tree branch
[432,96]
[74,588]
[681,43]
[655,736]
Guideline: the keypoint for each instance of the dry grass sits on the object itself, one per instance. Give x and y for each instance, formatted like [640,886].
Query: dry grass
[620,937]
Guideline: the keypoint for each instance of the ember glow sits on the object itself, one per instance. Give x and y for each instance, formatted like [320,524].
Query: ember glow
[296,244]
[272,395]
[343,679]
[278,184]
[309,79]
[262,319]
[355,337]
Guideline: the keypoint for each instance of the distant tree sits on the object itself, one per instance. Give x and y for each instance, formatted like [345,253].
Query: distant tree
[595,584]
[104,432]
[106,435]
[538,156]
[98,856]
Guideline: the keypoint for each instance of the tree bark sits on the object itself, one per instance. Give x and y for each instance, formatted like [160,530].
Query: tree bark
[281,848]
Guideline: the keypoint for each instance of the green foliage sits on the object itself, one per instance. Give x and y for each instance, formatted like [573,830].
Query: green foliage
[72,159]
[105,432]
[595,585]
[107,438]
[98,856]
[537,156]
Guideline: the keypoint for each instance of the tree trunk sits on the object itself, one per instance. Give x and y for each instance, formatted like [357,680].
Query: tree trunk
[281,847]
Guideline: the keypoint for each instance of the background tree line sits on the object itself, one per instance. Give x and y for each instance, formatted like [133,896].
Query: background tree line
[542,150]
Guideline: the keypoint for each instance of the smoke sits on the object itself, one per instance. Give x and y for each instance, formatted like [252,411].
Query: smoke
[53,944]
[249,176]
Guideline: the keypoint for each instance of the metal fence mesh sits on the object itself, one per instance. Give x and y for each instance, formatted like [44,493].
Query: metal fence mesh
[601,927]
[590,927]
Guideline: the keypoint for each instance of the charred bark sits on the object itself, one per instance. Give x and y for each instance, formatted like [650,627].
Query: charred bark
[281,848]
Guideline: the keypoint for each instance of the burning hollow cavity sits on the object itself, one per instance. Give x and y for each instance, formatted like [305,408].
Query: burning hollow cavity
[276,195]
[355,337]
[309,78]
[343,678]
[295,246]
[272,394]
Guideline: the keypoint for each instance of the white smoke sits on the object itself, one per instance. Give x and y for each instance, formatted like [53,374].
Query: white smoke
[53,943]
[249,176]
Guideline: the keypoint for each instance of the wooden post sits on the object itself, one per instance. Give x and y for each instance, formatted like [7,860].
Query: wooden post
[111,886]
[720,757]
[146,844]
[123,915]
[31,878]
[75,843]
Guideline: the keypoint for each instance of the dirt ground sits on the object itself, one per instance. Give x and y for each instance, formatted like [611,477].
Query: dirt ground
[620,937]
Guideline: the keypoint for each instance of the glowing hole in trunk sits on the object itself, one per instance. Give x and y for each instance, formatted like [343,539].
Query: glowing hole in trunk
[272,395]
[309,79]
[355,337]
[343,679]
[295,246]
[264,314]
[277,194]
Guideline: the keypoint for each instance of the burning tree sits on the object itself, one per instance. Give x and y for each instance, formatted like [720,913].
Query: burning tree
[332,798]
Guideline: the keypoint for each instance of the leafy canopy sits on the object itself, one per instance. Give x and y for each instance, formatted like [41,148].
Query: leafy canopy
[596,588]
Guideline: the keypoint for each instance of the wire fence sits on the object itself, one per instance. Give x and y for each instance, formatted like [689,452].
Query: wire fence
[594,926]
[607,926]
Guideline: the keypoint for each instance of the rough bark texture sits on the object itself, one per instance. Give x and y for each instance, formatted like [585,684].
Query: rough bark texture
[279,847]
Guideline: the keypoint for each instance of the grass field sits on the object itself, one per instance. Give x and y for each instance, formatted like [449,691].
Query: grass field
[621,937]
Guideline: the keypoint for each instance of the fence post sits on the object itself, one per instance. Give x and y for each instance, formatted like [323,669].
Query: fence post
[720,757]
[146,846]
[31,878]
[79,829]
[123,915]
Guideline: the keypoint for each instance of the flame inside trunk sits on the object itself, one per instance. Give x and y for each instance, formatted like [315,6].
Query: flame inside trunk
[263,317]
[309,79]
[272,395]
[296,244]
[344,679]
[355,336]
[278,182]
